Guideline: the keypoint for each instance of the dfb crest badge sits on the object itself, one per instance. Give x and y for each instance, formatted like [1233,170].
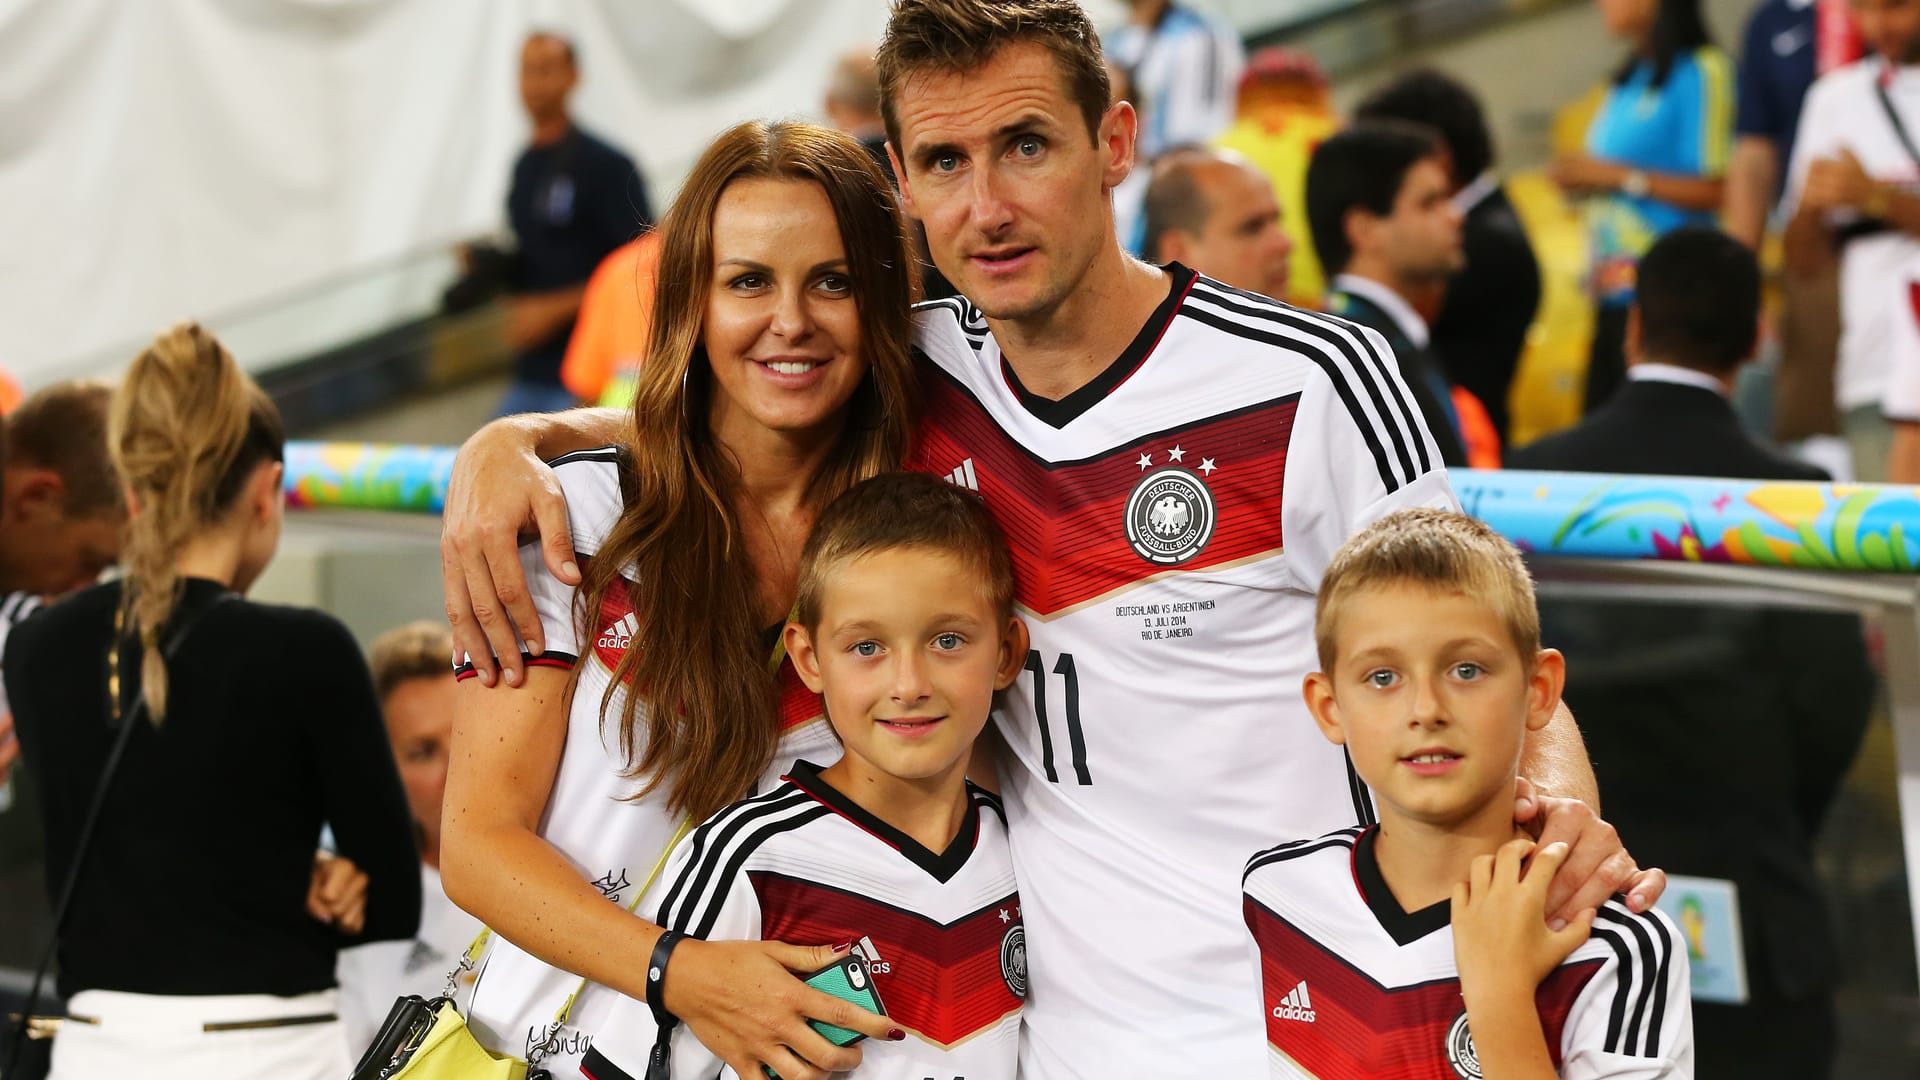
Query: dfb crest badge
[1460,1052]
[1170,516]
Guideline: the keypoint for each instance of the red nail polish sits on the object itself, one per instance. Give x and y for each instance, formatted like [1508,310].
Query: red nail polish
[843,947]
[895,1035]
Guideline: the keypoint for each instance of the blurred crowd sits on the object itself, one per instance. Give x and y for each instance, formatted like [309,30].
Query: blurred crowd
[1751,217]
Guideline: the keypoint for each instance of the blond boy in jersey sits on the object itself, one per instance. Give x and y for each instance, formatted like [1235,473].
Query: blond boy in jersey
[1431,675]
[905,626]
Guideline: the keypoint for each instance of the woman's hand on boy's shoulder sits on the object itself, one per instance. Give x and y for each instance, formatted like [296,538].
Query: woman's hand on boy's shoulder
[1501,943]
[1598,866]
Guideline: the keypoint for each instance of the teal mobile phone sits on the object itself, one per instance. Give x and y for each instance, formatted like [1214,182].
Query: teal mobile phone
[849,979]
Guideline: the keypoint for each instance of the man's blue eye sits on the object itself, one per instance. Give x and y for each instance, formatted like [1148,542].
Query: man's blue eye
[948,641]
[866,648]
[1380,679]
[1468,671]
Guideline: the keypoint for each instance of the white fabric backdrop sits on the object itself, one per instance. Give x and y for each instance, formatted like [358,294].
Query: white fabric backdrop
[167,158]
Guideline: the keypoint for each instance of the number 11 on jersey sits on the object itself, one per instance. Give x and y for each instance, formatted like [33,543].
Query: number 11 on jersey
[1076,737]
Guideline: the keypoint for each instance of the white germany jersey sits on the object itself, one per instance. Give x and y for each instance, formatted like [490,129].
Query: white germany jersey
[613,842]
[1352,985]
[803,864]
[1169,524]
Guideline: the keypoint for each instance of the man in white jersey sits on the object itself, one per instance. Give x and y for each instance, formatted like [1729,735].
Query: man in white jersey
[1174,462]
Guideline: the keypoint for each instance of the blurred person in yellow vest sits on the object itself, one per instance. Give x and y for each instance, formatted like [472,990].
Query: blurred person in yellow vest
[616,316]
[1285,111]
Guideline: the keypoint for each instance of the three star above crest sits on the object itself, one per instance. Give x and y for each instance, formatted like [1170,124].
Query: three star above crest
[1176,455]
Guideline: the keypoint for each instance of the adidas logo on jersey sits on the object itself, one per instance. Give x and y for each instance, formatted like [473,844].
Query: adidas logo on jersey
[1296,1005]
[620,634]
[876,965]
[964,477]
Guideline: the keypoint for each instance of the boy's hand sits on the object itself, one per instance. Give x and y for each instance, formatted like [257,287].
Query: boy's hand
[1501,942]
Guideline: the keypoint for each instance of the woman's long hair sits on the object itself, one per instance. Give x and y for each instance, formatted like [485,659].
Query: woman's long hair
[186,428]
[698,661]
[1677,29]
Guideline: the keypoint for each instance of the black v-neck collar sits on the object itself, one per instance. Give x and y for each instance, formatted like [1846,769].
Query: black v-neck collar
[1060,413]
[805,775]
[1403,926]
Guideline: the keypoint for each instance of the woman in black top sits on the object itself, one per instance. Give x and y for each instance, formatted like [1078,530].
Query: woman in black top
[189,950]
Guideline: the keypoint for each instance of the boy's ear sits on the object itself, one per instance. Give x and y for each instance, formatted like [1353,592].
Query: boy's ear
[1013,653]
[1318,690]
[806,662]
[1543,688]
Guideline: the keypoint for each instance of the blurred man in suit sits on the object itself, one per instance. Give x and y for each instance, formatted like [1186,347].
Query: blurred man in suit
[1719,734]
[1379,202]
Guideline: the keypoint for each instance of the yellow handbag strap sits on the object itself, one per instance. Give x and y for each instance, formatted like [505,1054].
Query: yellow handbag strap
[679,834]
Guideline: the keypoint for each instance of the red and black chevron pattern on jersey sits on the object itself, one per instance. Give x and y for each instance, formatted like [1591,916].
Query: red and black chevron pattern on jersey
[1066,521]
[613,632]
[941,982]
[1361,1028]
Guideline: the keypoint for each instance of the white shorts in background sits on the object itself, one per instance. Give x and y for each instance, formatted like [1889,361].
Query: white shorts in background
[159,1037]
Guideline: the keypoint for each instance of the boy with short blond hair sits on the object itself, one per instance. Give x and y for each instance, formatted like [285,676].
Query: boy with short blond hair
[1419,947]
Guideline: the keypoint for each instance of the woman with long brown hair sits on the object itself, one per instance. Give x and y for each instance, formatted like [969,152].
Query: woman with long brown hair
[778,376]
[189,949]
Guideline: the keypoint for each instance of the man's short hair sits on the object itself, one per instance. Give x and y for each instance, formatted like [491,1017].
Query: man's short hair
[418,650]
[905,510]
[1360,168]
[962,35]
[1443,103]
[1174,200]
[1440,549]
[1698,292]
[64,428]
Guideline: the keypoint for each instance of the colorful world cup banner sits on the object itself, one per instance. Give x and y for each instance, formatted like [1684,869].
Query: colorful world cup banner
[368,476]
[1861,527]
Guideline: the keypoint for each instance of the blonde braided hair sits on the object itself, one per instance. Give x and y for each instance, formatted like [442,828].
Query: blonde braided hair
[186,428]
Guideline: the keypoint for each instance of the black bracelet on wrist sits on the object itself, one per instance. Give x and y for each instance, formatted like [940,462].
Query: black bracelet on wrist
[657,977]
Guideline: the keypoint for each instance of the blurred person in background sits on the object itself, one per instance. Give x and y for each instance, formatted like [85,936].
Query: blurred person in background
[63,518]
[853,103]
[1789,390]
[1387,230]
[616,316]
[1719,734]
[418,694]
[253,727]
[574,200]
[62,522]
[1851,189]
[1656,159]
[1285,109]
[1786,43]
[1186,64]
[1484,311]
[1213,212]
